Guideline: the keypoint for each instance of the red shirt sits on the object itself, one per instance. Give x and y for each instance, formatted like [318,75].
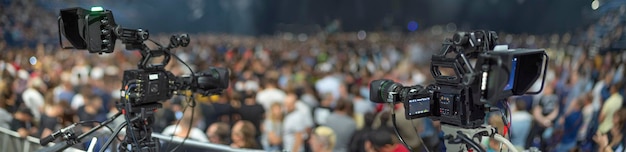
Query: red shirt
[400,148]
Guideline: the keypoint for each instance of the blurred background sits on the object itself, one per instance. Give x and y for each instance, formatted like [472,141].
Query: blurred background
[309,62]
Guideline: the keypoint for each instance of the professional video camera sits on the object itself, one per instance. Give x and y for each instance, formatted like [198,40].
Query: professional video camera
[143,88]
[470,79]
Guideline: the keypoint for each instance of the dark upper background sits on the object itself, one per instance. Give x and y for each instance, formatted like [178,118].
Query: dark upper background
[262,17]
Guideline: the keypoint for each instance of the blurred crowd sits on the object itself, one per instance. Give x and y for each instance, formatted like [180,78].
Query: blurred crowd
[309,92]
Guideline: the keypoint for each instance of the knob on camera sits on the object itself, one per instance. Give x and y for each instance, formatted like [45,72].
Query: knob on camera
[181,40]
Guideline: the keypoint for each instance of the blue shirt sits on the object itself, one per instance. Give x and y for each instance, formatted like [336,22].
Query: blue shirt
[572,124]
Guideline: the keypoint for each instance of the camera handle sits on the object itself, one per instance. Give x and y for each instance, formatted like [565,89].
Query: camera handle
[458,139]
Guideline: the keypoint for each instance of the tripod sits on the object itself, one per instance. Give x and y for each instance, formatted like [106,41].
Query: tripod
[138,131]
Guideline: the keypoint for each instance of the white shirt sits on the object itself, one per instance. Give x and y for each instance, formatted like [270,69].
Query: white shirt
[293,123]
[268,96]
[195,133]
[77,101]
[597,95]
[328,84]
[34,101]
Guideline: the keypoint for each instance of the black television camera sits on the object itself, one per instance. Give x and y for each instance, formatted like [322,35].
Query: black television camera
[463,91]
[143,88]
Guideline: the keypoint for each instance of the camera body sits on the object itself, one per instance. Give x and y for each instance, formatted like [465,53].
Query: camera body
[470,77]
[149,85]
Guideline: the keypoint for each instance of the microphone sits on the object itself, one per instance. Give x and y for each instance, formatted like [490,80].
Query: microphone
[56,134]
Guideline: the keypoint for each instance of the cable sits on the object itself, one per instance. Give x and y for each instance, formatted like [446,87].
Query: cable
[420,138]
[132,133]
[183,62]
[506,142]
[469,141]
[395,127]
[176,127]
[192,104]
[160,46]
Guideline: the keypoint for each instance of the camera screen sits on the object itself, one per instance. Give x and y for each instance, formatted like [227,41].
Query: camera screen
[419,106]
[509,85]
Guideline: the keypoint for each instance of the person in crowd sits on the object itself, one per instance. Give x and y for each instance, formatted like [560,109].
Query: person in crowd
[49,118]
[253,112]
[32,98]
[587,112]
[382,140]
[545,111]
[9,100]
[243,135]
[610,106]
[492,145]
[357,142]
[330,83]
[570,122]
[613,140]
[219,133]
[6,96]
[272,128]
[521,122]
[323,139]
[270,93]
[22,123]
[405,127]
[342,123]
[323,110]
[224,110]
[91,111]
[597,89]
[79,99]
[186,126]
[295,125]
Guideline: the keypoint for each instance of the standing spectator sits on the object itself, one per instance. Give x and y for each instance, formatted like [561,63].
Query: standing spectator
[571,121]
[342,123]
[90,111]
[22,122]
[295,125]
[84,94]
[219,133]
[6,96]
[32,97]
[597,90]
[329,84]
[272,128]
[614,139]
[381,140]
[243,135]
[492,144]
[521,122]
[49,118]
[357,142]
[587,112]
[253,112]
[544,111]
[270,93]
[186,127]
[323,110]
[323,139]
[611,105]
[405,127]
